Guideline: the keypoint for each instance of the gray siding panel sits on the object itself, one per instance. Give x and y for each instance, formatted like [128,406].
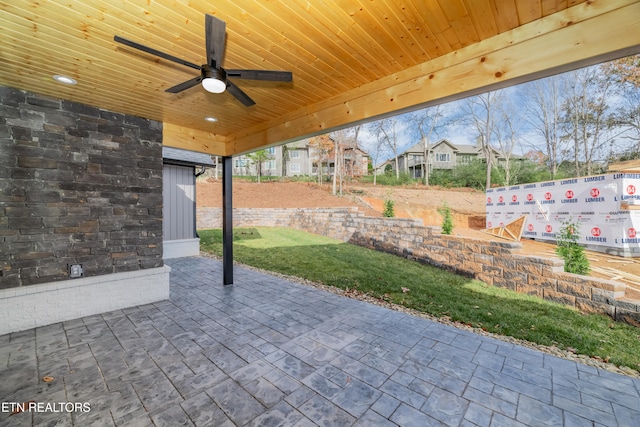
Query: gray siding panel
[179,195]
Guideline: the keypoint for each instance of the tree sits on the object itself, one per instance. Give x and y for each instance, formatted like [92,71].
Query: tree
[482,110]
[350,163]
[585,117]
[258,158]
[378,149]
[338,138]
[625,70]
[386,132]
[215,167]
[285,160]
[625,75]
[507,134]
[533,168]
[426,122]
[321,146]
[543,106]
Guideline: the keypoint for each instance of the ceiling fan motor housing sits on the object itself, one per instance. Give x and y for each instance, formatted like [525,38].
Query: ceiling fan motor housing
[208,72]
[213,79]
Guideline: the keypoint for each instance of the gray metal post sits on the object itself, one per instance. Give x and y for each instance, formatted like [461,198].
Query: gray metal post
[227,222]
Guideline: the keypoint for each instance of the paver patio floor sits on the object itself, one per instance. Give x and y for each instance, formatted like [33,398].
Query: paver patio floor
[269,352]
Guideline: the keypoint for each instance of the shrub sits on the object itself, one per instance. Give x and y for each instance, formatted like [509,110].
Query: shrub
[473,175]
[441,178]
[390,179]
[388,209]
[527,171]
[575,260]
[447,219]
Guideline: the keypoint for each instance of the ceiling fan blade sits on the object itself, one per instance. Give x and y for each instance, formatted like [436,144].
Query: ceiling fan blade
[184,85]
[239,94]
[215,33]
[269,75]
[154,52]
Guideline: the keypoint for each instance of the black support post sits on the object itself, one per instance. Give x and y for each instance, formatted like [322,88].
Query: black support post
[227,223]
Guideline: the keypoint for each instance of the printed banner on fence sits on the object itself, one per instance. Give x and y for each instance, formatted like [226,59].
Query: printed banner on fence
[606,207]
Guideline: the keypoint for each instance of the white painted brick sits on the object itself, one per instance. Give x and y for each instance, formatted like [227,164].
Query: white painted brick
[44,304]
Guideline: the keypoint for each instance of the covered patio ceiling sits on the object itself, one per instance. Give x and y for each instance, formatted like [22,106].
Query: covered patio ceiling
[352,60]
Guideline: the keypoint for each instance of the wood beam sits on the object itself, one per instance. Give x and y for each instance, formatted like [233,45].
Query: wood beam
[193,139]
[583,35]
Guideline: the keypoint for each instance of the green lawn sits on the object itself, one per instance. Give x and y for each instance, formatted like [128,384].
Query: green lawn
[430,290]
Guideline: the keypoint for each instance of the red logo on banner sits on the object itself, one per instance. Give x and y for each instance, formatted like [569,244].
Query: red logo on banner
[489,225]
[595,231]
[548,229]
[631,233]
[514,198]
[631,189]
[502,224]
[488,199]
[501,199]
[547,196]
[569,194]
[595,192]
[530,227]
[530,197]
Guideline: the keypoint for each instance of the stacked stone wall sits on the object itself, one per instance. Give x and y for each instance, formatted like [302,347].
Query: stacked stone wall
[499,264]
[78,185]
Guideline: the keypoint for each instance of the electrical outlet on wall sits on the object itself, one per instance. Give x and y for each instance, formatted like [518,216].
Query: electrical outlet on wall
[75,271]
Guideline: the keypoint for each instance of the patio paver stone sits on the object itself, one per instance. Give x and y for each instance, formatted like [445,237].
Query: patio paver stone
[270,352]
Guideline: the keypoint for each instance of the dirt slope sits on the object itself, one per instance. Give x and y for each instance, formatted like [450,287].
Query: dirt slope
[305,194]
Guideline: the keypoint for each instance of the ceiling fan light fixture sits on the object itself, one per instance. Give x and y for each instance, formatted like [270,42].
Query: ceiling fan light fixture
[213,80]
[213,85]
[210,119]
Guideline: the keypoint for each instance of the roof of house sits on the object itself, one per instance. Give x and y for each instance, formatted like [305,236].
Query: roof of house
[418,148]
[467,149]
[301,143]
[186,156]
[459,148]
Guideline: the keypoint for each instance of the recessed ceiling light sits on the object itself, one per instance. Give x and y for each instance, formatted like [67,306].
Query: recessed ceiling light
[64,79]
[211,119]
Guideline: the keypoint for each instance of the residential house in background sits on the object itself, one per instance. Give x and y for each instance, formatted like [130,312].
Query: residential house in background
[300,158]
[443,154]
[293,159]
[356,160]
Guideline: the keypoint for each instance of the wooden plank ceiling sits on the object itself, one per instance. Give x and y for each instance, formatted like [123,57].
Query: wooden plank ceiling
[352,60]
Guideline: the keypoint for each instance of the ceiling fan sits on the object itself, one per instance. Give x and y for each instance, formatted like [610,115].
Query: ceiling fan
[212,76]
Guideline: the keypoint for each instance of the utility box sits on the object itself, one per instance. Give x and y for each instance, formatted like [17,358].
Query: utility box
[606,208]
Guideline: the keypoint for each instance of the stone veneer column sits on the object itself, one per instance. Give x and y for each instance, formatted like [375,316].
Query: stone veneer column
[78,185]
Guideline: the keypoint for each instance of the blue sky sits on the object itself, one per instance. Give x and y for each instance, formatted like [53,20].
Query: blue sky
[459,132]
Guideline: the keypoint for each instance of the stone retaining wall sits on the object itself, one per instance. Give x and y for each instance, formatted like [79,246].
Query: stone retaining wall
[496,263]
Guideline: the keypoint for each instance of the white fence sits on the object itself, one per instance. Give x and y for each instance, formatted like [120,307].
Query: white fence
[606,207]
